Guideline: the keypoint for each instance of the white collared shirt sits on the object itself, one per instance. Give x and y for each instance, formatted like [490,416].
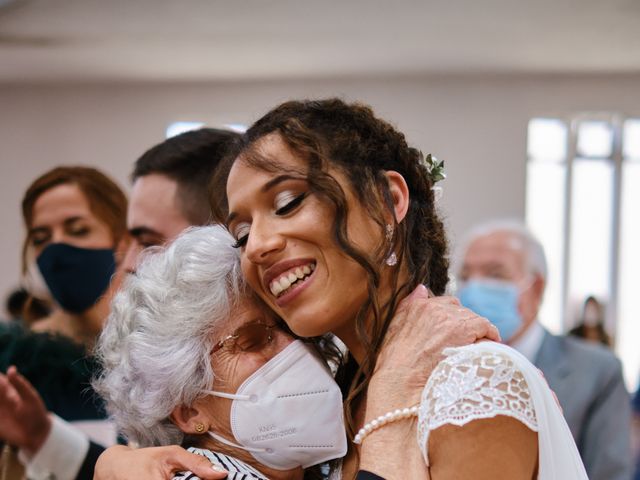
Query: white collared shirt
[63,442]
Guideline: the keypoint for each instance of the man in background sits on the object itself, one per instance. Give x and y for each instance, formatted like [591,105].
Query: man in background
[170,193]
[502,276]
[171,188]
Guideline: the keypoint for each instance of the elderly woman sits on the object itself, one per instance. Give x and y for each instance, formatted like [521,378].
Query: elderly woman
[191,358]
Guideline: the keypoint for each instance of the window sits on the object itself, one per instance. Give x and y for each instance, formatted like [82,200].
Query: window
[545,212]
[583,181]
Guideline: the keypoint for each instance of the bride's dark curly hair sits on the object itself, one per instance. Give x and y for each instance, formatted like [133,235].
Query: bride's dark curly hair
[349,137]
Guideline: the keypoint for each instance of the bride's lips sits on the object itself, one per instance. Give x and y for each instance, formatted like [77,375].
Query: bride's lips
[286,279]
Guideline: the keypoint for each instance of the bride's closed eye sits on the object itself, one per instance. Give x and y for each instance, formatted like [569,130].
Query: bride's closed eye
[284,203]
[287,201]
[241,234]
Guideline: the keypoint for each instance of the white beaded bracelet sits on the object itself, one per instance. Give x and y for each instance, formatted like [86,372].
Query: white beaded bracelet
[389,417]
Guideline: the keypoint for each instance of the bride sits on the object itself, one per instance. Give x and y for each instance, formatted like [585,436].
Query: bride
[334,217]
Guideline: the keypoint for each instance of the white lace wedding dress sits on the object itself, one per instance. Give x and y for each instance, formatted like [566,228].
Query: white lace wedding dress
[487,379]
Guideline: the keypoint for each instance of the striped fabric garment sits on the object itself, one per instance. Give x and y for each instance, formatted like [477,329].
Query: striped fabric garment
[237,470]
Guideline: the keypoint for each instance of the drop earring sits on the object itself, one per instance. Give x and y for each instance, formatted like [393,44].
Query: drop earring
[392,258]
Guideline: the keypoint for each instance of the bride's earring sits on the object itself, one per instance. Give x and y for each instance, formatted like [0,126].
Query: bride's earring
[392,259]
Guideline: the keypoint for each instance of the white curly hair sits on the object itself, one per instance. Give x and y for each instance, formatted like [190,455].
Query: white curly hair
[155,347]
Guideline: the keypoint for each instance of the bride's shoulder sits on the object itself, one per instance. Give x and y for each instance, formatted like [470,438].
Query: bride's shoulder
[474,382]
[488,355]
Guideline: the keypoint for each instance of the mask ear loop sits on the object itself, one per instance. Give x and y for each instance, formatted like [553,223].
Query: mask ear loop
[230,396]
[221,439]
[33,281]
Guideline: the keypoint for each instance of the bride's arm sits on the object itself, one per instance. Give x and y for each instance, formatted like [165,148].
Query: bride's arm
[477,417]
[152,463]
[495,448]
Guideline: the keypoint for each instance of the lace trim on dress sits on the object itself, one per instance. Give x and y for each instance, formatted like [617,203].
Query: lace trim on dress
[471,384]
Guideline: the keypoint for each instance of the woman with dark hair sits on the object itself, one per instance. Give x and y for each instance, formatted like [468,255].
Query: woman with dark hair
[591,327]
[335,220]
[75,218]
[326,187]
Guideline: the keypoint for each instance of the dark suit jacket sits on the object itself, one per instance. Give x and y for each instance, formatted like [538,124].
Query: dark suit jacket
[588,381]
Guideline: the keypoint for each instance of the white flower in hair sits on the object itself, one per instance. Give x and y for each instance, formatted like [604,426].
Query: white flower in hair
[434,168]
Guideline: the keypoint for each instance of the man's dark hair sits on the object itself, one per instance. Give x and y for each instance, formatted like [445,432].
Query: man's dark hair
[190,160]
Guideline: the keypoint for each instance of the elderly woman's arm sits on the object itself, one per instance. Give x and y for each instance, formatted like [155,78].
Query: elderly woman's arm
[422,327]
[153,463]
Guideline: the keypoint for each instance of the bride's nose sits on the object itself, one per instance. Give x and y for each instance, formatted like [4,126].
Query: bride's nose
[263,240]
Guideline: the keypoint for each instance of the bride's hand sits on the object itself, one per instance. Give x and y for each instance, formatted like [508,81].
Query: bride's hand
[154,463]
[422,327]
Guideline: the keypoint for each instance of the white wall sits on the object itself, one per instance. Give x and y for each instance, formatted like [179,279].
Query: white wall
[477,124]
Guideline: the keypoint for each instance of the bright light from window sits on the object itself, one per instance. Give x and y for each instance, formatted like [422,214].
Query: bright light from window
[546,173]
[631,139]
[176,128]
[236,127]
[545,218]
[591,235]
[628,328]
[589,224]
[547,140]
[595,139]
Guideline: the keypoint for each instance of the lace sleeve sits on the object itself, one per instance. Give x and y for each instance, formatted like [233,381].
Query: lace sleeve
[473,383]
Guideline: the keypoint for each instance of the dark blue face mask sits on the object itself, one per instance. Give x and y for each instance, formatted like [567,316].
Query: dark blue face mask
[77,277]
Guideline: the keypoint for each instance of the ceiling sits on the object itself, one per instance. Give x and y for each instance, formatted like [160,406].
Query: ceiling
[213,40]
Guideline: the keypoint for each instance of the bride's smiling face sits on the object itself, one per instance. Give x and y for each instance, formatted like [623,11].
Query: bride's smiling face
[285,232]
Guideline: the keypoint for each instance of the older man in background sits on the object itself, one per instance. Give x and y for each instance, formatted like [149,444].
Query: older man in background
[502,276]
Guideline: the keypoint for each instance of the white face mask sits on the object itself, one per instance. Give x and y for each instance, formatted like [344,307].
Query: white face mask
[289,412]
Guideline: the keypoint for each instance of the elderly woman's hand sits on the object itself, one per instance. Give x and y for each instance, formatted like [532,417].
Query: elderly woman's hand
[422,327]
[153,463]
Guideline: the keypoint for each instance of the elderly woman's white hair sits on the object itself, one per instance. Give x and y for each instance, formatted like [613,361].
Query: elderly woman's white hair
[155,348]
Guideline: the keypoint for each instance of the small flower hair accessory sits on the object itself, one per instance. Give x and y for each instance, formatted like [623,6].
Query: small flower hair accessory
[434,168]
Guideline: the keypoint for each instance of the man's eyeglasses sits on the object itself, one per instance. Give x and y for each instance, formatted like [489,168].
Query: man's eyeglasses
[248,338]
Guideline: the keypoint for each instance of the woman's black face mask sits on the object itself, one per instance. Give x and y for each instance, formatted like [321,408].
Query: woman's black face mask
[77,277]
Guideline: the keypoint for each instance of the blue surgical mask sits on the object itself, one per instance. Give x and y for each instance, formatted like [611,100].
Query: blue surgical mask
[495,300]
[77,277]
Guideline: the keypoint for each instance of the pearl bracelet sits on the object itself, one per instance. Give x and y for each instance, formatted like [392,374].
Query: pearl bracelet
[382,420]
